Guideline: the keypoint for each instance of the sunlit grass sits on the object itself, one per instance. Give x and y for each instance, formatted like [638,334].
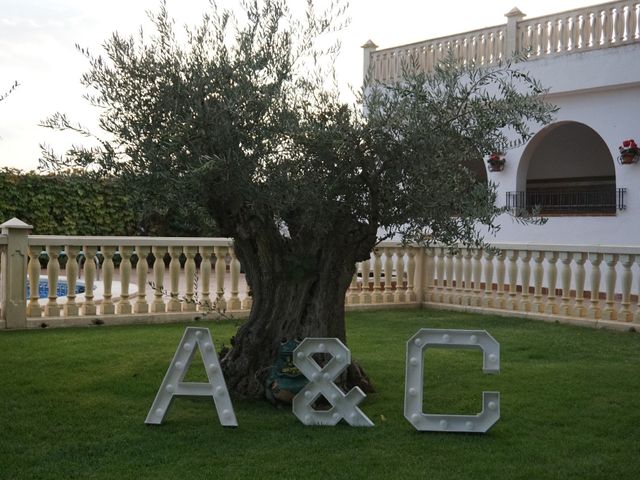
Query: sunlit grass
[73,404]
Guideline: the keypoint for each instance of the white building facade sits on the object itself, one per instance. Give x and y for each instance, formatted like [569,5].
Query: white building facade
[590,60]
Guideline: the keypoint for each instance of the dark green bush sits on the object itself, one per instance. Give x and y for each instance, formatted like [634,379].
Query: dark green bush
[66,204]
[81,204]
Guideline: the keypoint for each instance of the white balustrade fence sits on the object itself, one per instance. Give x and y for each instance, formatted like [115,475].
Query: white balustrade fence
[594,285]
[117,279]
[589,28]
[484,47]
[600,26]
[597,283]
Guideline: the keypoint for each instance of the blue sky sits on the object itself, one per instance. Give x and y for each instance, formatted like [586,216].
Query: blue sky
[37,39]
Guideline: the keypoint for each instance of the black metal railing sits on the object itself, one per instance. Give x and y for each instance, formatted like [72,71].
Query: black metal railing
[569,202]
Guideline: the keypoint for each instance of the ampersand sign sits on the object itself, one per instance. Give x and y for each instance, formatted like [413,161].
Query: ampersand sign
[321,382]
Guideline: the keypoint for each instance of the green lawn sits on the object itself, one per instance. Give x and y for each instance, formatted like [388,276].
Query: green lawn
[73,404]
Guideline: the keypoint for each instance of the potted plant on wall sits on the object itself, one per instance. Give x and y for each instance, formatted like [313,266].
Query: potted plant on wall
[496,162]
[629,152]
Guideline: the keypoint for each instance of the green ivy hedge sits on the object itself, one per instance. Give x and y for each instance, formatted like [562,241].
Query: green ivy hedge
[80,204]
[66,204]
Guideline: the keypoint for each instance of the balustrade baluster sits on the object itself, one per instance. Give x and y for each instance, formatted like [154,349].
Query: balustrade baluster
[554,28]
[365,294]
[174,279]
[459,276]
[190,298]
[158,306]
[618,26]
[487,299]
[474,49]
[512,270]
[580,310]
[221,269]
[353,297]
[89,306]
[107,307]
[525,39]
[124,305]
[33,308]
[422,58]
[525,278]
[544,38]
[538,38]
[468,273]
[500,275]
[563,34]
[411,273]
[465,51]
[429,274]
[448,272]
[205,279]
[376,296]
[388,275]
[401,290]
[492,48]
[234,301]
[71,307]
[588,31]
[538,274]
[567,34]
[609,312]
[594,309]
[439,294]
[577,29]
[624,314]
[485,49]
[430,57]
[552,278]
[632,23]
[477,277]
[565,281]
[440,52]
[52,309]
[600,30]
[141,305]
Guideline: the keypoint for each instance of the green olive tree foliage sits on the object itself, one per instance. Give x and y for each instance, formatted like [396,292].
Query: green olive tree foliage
[241,121]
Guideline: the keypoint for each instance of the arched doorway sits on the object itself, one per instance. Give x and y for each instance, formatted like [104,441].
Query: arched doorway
[567,169]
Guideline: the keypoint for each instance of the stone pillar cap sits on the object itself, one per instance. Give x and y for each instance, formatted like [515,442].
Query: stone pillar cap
[15,223]
[514,12]
[369,44]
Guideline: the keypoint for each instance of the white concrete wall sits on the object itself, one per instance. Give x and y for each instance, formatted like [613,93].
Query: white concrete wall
[600,89]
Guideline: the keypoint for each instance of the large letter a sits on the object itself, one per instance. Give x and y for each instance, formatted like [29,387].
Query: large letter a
[173,385]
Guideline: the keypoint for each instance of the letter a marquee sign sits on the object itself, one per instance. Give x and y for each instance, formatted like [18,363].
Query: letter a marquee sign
[173,386]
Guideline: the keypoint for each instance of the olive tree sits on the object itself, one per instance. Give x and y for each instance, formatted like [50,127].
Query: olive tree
[241,119]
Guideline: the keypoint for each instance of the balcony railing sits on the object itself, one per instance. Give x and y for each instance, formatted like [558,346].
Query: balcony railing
[550,282]
[590,28]
[605,201]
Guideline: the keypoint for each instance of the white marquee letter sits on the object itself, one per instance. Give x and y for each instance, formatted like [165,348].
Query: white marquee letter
[172,385]
[416,345]
[321,383]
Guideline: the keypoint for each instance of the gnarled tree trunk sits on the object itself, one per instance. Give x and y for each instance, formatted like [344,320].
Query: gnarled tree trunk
[298,291]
